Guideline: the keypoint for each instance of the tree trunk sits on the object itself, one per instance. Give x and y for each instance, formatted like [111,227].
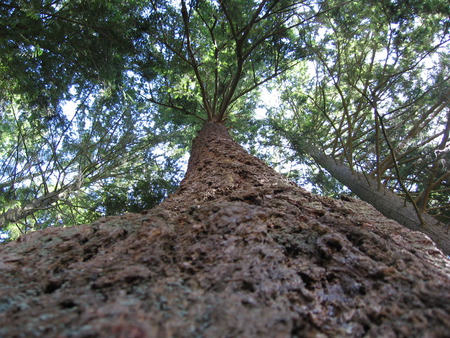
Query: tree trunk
[219,168]
[237,252]
[16,214]
[384,200]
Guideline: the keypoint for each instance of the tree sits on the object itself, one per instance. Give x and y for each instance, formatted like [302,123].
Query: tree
[120,57]
[377,107]
[201,64]
[52,161]
[238,250]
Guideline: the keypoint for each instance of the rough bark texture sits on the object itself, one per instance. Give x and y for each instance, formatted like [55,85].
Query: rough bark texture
[237,252]
[385,201]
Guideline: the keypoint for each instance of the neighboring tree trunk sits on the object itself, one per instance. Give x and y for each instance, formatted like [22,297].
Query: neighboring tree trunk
[16,214]
[237,252]
[384,200]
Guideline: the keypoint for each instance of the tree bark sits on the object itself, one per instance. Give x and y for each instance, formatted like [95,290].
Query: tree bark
[384,200]
[238,251]
[220,168]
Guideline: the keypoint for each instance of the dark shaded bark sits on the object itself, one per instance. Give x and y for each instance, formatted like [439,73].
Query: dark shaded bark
[384,200]
[237,252]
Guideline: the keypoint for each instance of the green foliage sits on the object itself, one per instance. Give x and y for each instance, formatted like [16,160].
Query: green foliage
[381,60]
[49,46]
[208,54]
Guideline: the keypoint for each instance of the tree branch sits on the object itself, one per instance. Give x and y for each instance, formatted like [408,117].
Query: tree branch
[194,63]
[397,170]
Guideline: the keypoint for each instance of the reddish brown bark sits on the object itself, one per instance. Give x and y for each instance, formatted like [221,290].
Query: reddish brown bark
[219,168]
[236,252]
